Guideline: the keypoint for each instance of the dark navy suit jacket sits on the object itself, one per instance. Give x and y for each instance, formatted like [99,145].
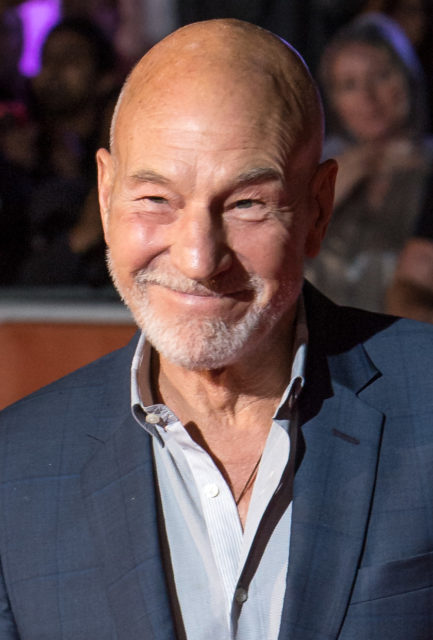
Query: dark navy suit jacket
[80,542]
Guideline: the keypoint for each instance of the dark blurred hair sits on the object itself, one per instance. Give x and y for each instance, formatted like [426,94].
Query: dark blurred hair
[389,6]
[380,31]
[104,52]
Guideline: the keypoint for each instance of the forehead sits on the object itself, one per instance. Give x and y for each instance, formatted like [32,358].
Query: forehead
[212,114]
[361,54]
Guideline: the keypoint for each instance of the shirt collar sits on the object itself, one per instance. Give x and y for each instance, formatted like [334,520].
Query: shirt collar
[299,357]
[142,401]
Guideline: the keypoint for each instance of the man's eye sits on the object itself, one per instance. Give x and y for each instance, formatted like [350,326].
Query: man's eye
[156,199]
[248,210]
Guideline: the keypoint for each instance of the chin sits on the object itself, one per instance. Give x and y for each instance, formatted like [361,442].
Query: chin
[196,343]
[200,344]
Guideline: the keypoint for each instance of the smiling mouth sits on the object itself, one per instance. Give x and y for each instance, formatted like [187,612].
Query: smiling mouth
[243,295]
[222,287]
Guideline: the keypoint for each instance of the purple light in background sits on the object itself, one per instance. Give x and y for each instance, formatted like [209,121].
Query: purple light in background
[38,17]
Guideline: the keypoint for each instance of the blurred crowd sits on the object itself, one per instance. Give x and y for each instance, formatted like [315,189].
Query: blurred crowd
[373,60]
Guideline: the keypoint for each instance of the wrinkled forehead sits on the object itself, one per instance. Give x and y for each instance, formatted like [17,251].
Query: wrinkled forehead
[223,75]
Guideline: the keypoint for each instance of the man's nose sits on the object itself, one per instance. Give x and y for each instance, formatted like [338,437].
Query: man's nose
[199,247]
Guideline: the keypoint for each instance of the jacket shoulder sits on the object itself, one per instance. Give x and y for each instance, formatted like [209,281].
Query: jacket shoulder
[399,349]
[342,328]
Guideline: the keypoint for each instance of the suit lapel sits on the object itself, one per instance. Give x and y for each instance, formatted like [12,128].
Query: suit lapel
[332,495]
[119,493]
[339,439]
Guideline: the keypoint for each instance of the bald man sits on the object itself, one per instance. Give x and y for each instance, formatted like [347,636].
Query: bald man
[256,464]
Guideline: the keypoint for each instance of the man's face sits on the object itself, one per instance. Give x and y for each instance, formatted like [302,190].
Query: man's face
[207,226]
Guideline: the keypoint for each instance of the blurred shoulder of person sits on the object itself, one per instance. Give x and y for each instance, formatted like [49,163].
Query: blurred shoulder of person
[411,291]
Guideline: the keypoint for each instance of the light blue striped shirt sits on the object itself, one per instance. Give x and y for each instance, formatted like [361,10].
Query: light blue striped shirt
[230,583]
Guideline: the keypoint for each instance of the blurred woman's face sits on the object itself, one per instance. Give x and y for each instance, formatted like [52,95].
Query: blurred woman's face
[68,79]
[369,93]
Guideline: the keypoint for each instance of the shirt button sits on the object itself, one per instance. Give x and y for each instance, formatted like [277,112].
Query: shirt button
[241,595]
[211,490]
[152,418]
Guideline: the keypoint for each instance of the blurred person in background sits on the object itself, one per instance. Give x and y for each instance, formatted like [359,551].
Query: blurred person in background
[416,19]
[373,85]
[75,80]
[73,97]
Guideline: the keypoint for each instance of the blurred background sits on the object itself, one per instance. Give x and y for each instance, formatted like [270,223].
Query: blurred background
[62,63]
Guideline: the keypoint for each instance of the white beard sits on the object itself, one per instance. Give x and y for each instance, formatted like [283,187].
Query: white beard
[192,342]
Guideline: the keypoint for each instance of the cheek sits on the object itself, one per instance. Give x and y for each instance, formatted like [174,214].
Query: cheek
[346,108]
[399,101]
[273,254]
[132,245]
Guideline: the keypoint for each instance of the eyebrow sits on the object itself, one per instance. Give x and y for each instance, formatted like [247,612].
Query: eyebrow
[147,175]
[257,175]
[252,176]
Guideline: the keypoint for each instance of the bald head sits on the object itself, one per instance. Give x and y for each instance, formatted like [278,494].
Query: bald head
[217,63]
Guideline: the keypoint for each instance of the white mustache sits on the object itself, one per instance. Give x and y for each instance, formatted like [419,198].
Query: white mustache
[211,287]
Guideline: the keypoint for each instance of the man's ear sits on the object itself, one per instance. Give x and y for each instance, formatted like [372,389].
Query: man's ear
[322,197]
[104,161]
